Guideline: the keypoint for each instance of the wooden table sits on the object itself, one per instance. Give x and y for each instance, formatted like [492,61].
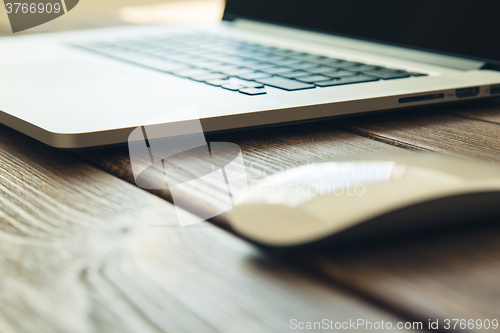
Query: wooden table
[79,251]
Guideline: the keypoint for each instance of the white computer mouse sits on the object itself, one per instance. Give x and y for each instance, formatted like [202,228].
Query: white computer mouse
[373,196]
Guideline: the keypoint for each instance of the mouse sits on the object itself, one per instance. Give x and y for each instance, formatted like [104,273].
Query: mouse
[364,198]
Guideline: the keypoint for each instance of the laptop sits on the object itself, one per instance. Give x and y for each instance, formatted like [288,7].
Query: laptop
[268,62]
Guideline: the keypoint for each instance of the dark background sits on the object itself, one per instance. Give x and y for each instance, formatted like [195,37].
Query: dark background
[458,27]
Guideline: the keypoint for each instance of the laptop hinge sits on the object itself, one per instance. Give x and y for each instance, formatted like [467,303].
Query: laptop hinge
[431,58]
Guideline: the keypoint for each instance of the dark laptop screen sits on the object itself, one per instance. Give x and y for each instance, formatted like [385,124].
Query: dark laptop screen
[462,27]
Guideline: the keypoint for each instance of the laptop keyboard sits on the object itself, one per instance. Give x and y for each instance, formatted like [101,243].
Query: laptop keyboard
[240,66]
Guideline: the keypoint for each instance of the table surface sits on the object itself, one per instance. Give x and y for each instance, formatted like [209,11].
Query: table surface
[79,253]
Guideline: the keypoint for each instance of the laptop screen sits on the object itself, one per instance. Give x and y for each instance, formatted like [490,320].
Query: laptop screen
[457,27]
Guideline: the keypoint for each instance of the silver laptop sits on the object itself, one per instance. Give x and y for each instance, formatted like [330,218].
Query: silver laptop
[268,62]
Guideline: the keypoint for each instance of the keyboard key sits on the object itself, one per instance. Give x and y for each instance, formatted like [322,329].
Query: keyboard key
[230,59]
[309,57]
[303,65]
[217,82]
[146,47]
[246,83]
[235,81]
[207,64]
[183,57]
[214,54]
[314,78]
[295,74]
[220,67]
[284,83]
[259,66]
[417,74]
[276,70]
[285,53]
[264,48]
[321,69]
[160,64]
[253,76]
[267,57]
[314,67]
[388,74]
[253,84]
[360,68]
[253,91]
[248,63]
[209,76]
[284,61]
[253,54]
[346,64]
[347,80]
[238,71]
[188,72]
[148,61]
[339,73]
[169,54]
[330,62]
[187,58]
[233,86]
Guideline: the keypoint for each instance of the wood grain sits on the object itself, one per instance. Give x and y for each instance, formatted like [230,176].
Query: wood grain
[489,112]
[460,130]
[78,253]
[453,274]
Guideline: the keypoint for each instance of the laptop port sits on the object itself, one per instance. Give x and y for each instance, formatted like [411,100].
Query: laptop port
[420,98]
[467,92]
[495,89]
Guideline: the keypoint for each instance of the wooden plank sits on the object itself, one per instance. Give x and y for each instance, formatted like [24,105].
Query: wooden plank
[489,112]
[441,129]
[451,275]
[78,254]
